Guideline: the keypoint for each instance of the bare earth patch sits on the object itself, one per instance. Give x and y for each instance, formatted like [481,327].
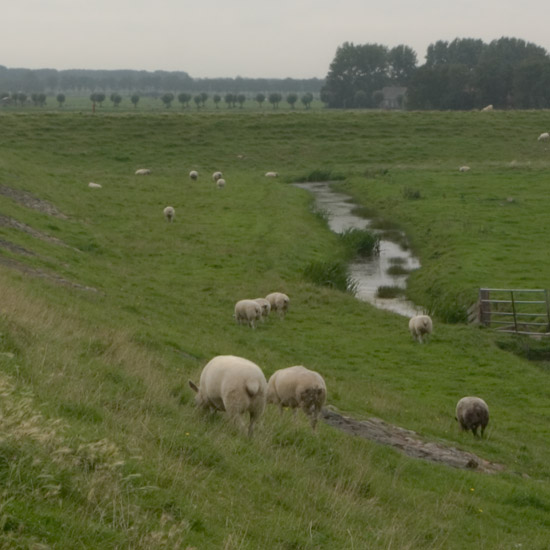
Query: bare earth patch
[410,443]
[30,201]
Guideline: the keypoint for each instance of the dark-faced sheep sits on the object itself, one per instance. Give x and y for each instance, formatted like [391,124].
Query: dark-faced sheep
[169,213]
[234,385]
[472,413]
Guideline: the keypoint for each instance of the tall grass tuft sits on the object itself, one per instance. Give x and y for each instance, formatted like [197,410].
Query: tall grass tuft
[321,174]
[334,274]
[388,292]
[360,242]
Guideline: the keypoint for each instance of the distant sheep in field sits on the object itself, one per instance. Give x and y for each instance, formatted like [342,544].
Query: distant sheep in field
[471,413]
[420,326]
[487,108]
[169,213]
[194,175]
[248,311]
[220,183]
[216,176]
[265,305]
[544,137]
[279,302]
[271,174]
[94,185]
[464,169]
[298,387]
[143,172]
[234,385]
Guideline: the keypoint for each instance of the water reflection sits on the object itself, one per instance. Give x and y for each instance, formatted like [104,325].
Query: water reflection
[369,273]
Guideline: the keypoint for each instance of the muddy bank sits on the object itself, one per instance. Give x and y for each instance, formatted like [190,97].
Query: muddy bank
[410,443]
[30,201]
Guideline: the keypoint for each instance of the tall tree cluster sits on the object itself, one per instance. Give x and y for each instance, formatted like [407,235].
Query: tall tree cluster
[463,74]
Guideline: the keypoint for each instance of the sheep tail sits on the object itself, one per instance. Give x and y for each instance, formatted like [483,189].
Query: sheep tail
[252,387]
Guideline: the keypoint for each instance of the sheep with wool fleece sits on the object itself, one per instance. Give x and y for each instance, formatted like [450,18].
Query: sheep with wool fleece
[471,413]
[420,326]
[248,311]
[298,387]
[234,385]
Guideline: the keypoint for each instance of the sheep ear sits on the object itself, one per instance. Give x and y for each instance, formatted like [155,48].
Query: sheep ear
[193,386]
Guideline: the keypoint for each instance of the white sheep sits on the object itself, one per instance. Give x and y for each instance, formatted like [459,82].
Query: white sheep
[487,108]
[94,185]
[169,213]
[271,174]
[279,302]
[472,412]
[265,305]
[143,172]
[420,326]
[545,136]
[298,387]
[194,175]
[220,183]
[234,385]
[248,311]
[216,176]
[464,169]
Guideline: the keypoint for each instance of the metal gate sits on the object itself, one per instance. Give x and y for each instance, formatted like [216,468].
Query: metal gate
[520,311]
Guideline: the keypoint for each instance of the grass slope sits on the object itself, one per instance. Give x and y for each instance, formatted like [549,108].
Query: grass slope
[100,445]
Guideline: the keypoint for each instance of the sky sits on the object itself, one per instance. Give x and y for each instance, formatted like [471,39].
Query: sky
[247,38]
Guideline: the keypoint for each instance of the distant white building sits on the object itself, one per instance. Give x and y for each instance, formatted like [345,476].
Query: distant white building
[394,97]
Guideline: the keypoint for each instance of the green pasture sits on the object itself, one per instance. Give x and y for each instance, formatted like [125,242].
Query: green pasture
[100,329]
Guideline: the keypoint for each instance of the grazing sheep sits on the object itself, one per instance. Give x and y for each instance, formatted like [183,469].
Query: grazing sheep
[193,175]
[220,183]
[143,172]
[94,185]
[279,302]
[248,311]
[216,176]
[464,169]
[169,213]
[487,108]
[298,387]
[271,174]
[420,325]
[232,384]
[265,305]
[544,137]
[472,412]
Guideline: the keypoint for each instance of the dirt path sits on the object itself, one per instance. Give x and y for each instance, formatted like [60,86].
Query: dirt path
[30,201]
[410,443]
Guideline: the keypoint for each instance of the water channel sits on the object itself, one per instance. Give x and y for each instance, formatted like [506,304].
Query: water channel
[368,273]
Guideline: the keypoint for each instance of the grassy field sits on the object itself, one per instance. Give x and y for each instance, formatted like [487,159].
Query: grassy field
[107,311]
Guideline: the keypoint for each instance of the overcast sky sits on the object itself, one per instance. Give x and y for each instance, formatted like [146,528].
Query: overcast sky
[248,38]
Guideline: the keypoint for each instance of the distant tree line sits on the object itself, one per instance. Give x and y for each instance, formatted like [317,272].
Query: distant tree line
[84,82]
[463,74]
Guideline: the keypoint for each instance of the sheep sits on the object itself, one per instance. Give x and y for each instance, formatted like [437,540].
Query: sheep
[487,108]
[193,175]
[298,387]
[265,305]
[271,174]
[169,213]
[143,172]
[216,176]
[472,412]
[248,311]
[279,302]
[220,183]
[464,169]
[232,384]
[419,326]
[545,136]
[94,185]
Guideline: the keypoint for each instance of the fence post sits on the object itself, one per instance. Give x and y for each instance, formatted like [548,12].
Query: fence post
[547,310]
[514,311]
[484,307]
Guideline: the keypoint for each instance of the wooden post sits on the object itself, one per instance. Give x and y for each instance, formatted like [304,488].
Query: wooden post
[514,311]
[484,307]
